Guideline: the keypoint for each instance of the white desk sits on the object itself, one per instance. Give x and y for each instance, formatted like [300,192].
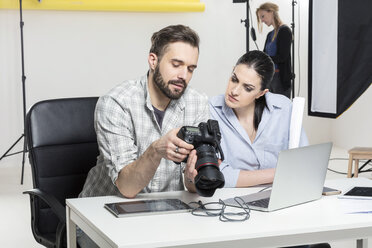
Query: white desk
[318,221]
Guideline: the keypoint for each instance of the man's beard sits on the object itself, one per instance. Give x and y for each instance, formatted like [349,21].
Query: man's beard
[164,87]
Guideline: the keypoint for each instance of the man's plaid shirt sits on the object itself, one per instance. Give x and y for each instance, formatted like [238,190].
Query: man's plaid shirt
[126,126]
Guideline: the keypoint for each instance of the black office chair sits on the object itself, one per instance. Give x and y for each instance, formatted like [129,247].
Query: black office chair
[62,147]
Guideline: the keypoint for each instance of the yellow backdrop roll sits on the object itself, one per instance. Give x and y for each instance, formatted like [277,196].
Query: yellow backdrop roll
[108,5]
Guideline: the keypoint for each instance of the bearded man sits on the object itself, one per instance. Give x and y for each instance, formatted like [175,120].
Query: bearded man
[137,123]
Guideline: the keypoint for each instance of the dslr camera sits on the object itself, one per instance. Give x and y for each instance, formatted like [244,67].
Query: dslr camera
[206,140]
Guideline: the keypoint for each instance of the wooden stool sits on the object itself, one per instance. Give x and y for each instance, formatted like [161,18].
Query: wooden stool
[355,154]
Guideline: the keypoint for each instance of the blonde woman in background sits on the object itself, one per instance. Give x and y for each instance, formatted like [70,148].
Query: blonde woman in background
[277,46]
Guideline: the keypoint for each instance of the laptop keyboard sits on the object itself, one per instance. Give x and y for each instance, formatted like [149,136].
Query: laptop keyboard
[262,203]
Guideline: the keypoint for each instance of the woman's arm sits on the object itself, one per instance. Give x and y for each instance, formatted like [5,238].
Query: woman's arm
[251,178]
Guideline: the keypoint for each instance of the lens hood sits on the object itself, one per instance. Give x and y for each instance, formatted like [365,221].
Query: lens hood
[209,178]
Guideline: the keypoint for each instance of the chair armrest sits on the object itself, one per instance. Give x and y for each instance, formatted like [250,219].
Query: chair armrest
[57,208]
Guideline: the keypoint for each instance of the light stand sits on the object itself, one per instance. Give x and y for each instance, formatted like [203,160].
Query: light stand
[246,22]
[6,154]
[293,75]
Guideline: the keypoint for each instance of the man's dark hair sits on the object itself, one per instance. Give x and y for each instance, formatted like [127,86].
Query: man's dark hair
[263,65]
[161,39]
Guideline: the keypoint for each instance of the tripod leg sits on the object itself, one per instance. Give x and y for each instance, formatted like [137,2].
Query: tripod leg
[5,154]
[23,157]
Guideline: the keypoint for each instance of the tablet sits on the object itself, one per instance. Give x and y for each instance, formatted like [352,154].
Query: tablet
[147,207]
[358,193]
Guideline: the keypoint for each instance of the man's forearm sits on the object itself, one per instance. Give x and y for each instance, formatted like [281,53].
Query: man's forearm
[137,175]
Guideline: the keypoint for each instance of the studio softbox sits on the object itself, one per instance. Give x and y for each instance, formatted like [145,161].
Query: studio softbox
[340,54]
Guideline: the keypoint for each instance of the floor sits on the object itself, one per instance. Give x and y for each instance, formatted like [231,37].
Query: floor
[15,229]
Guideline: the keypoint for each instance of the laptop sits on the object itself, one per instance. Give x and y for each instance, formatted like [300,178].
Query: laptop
[299,178]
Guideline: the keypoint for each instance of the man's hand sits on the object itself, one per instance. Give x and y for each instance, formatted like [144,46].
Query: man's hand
[190,172]
[171,147]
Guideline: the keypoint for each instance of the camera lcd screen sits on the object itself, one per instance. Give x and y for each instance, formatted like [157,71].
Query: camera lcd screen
[146,207]
[193,129]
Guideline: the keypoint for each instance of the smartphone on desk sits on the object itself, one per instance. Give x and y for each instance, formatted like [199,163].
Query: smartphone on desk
[330,191]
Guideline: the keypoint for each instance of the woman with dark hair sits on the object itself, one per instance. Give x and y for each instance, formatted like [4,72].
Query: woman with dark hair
[254,123]
[277,46]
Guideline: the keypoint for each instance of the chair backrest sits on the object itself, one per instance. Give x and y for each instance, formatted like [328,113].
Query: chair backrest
[62,148]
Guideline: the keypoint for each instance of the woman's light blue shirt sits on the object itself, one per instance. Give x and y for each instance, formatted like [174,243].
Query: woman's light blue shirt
[272,136]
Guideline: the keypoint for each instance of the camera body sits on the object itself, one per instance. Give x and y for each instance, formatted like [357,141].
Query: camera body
[206,139]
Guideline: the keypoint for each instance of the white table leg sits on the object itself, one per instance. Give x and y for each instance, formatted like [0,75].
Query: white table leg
[362,243]
[71,230]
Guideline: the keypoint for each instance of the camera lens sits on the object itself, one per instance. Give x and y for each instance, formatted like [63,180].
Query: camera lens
[206,156]
[209,177]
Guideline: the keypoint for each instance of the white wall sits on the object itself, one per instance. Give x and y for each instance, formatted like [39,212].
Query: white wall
[354,127]
[86,53]
[70,54]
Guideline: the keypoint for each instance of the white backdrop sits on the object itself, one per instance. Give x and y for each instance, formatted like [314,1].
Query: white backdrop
[69,54]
